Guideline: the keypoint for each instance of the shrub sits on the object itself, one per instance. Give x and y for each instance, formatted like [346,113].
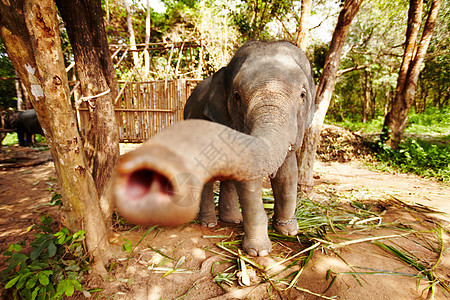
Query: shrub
[419,157]
[52,269]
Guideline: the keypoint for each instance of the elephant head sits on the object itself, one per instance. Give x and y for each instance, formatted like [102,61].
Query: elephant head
[9,119]
[263,101]
[261,81]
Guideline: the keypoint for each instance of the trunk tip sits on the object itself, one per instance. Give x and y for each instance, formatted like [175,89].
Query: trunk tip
[145,196]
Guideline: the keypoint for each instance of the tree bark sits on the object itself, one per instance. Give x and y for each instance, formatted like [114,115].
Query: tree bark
[131,33]
[397,118]
[18,93]
[84,24]
[29,29]
[147,41]
[303,29]
[306,154]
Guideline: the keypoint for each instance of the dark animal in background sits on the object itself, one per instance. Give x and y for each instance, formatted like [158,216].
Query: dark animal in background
[25,123]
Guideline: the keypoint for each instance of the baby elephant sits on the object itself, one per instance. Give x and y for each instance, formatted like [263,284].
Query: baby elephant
[267,91]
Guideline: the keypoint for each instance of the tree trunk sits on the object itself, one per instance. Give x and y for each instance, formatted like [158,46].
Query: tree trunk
[31,35]
[84,24]
[365,96]
[305,155]
[147,41]
[303,28]
[18,93]
[131,33]
[397,118]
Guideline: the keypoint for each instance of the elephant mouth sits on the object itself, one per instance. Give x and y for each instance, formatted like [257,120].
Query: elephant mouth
[143,182]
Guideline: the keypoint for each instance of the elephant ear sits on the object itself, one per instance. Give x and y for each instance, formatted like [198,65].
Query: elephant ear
[305,65]
[216,107]
[312,94]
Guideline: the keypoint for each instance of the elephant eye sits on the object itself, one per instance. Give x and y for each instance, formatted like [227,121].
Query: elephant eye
[237,97]
[303,94]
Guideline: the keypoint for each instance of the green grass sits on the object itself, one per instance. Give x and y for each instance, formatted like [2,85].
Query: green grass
[433,121]
[372,126]
[11,139]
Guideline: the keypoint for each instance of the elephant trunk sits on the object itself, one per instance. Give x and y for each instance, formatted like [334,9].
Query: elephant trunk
[161,182]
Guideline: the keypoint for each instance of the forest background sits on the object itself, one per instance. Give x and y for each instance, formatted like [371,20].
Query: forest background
[368,69]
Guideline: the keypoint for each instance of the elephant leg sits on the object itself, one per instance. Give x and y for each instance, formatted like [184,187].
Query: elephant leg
[207,215]
[229,203]
[256,239]
[29,141]
[284,186]
[21,135]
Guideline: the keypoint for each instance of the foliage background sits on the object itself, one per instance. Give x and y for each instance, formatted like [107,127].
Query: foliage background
[368,69]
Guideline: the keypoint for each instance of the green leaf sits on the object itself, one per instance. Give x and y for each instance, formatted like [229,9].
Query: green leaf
[22,280]
[12,282]
[73,267]
[76,284]
[35,266]
[66,287]
[47,272]
[55,197]
[51,249]
[46,219]
[45,292]
[35,293]
[63,236]
[37,252]
[31,282]
[15,247]
[62,286]
[18,257]
[43,279]
[44,265]
[78,236]
[127,245]
[73,275]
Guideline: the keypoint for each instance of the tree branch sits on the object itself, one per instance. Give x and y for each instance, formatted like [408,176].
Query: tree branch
[354,68]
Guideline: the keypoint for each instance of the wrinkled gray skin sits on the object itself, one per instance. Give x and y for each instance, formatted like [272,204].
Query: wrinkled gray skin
[266,91]
[25,123]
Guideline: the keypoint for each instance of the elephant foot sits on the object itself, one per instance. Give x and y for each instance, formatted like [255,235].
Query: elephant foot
[257,246]
[288,227]
[208,220]
[231,216]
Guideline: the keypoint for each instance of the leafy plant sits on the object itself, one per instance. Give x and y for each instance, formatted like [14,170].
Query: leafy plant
[419,157]
[56,199]
[53,268]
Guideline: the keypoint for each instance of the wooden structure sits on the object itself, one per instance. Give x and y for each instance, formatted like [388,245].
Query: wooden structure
[144,108]
[156,88]
[160,60]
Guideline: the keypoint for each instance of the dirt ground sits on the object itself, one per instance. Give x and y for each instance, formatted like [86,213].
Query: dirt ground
[193,258]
